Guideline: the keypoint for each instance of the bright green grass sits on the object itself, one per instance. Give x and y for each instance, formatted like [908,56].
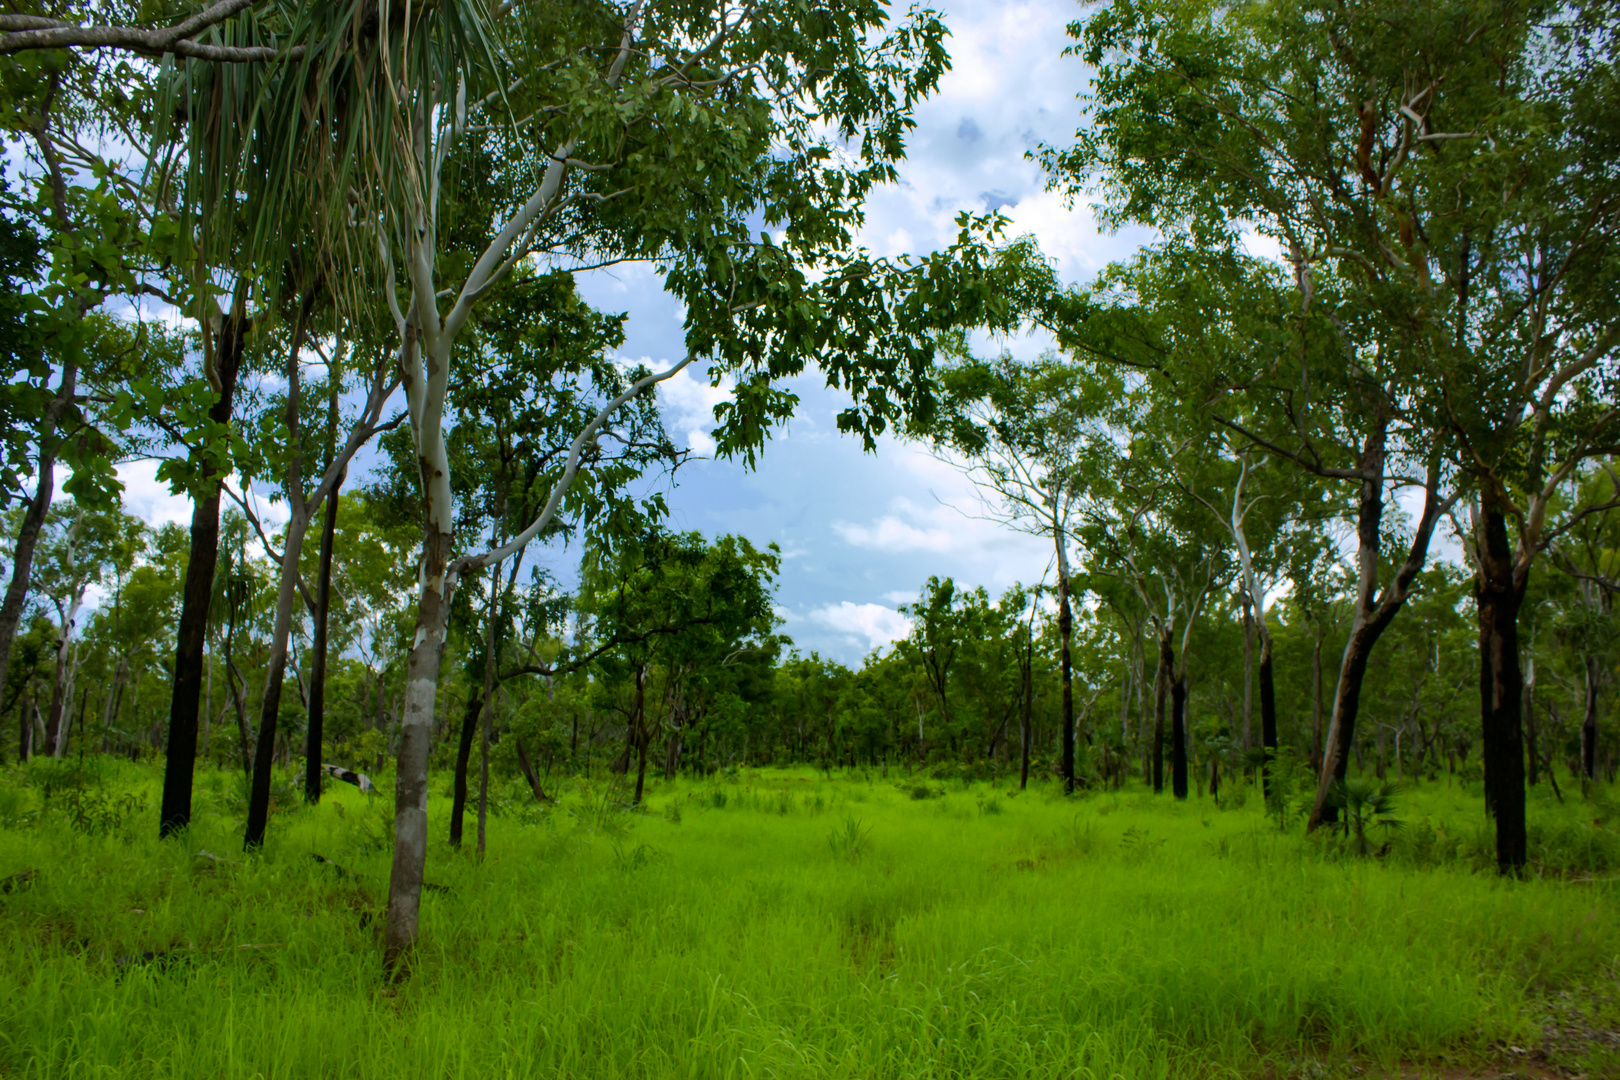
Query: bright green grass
[807,927]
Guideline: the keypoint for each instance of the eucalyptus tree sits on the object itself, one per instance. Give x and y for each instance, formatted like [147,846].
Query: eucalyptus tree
[1138,527]
[1022,432]
[1441,169]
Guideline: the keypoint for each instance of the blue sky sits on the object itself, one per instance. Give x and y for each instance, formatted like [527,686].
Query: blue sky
[860,533]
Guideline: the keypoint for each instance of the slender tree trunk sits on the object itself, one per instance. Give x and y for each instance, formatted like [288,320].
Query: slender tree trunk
[1178,735]
[1027,712]
[1268,713]
[274,679]
[529,774]
[1161,691]
[1248,672]
[1530,724]
[491,645]
[1589,729]
[314,742]
[1497,595]
[180,761]
[1065,635]
[642,735]
[22,552]
[469,727]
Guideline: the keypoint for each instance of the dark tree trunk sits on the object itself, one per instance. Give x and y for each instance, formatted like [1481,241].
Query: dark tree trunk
[53,714]
[1065,631]
[1589,730]
[1178,736]
[1268,714]
[529,774]
[22,552]
[1026,707]
[1161,686]
[1497,594]
[638,736]
[317,673]
[469,728]
[191,639]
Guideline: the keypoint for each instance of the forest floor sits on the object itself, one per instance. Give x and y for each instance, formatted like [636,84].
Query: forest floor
[792,924]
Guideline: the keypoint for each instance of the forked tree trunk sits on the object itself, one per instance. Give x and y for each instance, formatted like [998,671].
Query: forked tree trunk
[1373,613]
[316,735]
[1498,593]
[180,761]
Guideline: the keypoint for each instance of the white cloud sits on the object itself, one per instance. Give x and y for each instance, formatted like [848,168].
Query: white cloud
[879,625]
[689,408]
[148,498]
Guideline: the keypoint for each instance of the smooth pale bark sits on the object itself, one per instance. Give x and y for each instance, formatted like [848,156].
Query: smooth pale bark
[180,758]
[1373,612]
[313,742]
[1498,593]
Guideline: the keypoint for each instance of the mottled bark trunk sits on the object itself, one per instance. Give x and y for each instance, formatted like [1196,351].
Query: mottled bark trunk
[415,742]
[191,638]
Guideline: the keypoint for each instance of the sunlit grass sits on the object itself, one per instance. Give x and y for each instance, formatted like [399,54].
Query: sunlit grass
[784,924]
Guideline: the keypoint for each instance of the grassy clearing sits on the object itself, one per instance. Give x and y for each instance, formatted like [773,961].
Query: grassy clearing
[789,924]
